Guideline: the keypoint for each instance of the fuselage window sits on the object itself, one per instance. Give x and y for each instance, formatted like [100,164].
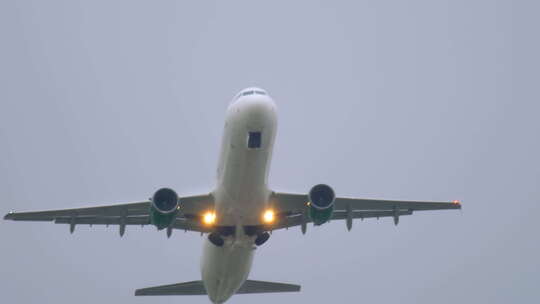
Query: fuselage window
[254,140]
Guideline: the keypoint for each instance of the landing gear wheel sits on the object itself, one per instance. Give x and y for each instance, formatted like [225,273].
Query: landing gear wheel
[262,238]
[215,239]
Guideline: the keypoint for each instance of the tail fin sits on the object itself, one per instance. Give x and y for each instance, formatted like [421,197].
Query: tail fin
[197,288]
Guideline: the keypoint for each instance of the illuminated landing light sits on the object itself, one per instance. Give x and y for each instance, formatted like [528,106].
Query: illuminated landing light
[209,218]
[268,216]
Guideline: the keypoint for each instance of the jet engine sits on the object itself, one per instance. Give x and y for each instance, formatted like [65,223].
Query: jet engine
[321,203]
[164,207]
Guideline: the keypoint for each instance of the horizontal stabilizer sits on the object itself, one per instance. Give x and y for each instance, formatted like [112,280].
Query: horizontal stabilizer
[192,288]
[266,287]
[197,288]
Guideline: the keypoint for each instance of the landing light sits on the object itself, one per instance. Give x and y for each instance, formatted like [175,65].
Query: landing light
[209,218]
[268,216]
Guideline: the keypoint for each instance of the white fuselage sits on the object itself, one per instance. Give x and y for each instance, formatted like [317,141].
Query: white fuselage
[241,193]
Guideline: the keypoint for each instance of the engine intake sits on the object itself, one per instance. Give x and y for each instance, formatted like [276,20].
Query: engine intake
[165,200]
[321,199]
[164,207]
[322,196]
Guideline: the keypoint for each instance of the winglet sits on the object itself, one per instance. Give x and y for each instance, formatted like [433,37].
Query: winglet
[9,216]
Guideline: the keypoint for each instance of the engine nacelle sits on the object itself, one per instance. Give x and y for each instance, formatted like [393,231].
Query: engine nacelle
[321,203]
[164,207]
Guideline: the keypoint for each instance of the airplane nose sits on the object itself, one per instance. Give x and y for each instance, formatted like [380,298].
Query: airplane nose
[257,110]
[257,105]
[254,107]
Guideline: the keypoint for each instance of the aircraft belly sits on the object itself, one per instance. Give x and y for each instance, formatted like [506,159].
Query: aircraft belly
[242,194]
[224,269]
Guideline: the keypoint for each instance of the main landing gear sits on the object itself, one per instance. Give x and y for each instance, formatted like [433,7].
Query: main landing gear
[216,237]
[262,238]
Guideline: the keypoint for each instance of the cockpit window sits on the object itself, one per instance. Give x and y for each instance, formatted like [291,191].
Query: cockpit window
[251,92]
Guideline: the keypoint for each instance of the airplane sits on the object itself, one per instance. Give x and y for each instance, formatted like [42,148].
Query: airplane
[240,213]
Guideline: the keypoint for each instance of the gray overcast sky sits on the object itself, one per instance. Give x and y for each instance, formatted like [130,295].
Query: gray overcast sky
[105,101]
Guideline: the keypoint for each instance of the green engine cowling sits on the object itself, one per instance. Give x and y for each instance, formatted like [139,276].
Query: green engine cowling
[163,208]
[321,204]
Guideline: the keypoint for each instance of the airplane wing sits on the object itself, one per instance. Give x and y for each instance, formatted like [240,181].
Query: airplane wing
[292,208]
[192,208]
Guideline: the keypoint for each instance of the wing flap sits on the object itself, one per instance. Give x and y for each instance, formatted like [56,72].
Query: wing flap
[298,219]
[341,215]
[179,223]
[109,220]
